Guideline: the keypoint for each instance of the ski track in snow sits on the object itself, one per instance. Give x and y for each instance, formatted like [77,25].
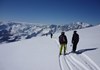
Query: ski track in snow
[73,63]
[60,64]
[81,65]
[64,65]
[90,61]
[67,62]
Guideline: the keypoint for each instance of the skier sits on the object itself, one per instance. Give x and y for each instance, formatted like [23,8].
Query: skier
[51,35]
[75,40]
[63,42]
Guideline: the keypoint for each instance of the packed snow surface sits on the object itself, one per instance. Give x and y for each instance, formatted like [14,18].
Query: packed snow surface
[42,53]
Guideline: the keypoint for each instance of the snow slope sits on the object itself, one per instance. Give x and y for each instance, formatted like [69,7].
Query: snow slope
[41,53]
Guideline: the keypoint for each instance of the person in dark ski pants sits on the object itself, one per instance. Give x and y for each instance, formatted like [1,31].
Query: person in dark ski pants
[51,35]
[63,42]
[75,40]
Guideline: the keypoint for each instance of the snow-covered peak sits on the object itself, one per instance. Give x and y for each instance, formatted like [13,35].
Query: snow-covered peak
[13,31]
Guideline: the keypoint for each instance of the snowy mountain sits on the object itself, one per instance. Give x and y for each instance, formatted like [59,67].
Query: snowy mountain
[41,53]
[14,31]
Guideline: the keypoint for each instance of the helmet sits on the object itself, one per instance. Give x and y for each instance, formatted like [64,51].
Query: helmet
[62,33]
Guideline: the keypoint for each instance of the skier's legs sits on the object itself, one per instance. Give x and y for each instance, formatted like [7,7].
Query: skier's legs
[61,48]
[74,47]
[65,47]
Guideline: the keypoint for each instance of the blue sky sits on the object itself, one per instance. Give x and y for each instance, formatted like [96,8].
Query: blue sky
[50,11]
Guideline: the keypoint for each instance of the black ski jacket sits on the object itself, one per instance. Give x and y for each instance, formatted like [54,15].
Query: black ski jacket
[75,38]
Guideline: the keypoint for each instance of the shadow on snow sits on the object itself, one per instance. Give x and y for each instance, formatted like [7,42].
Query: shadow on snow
[85,50]
[82,51]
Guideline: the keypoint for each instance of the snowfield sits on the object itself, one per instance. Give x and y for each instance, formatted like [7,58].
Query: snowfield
[42,53]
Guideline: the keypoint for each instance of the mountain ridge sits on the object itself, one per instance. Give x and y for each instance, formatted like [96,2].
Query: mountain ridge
[14,31]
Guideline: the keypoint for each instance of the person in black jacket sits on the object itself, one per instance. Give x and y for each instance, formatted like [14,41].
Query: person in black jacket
[63,42]
[51,35]
[75,40]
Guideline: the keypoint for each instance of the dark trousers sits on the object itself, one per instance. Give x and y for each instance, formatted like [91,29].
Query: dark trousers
[74,47]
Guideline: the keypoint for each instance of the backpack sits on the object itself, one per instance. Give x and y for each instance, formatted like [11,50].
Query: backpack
[62,39]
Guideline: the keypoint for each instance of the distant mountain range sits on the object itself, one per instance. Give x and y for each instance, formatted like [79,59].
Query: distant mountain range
[13,31]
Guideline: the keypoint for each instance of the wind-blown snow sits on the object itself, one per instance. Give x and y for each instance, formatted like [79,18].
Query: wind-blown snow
[41,53]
